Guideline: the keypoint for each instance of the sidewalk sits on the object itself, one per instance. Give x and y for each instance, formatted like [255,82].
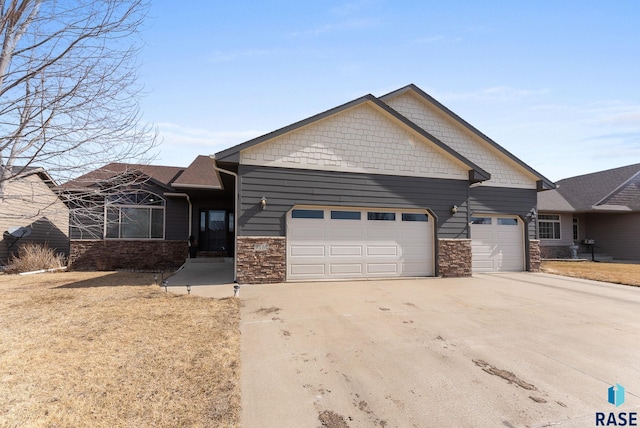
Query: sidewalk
[208,277]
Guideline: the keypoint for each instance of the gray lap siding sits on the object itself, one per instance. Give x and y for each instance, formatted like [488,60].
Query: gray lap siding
[284,188]
[501,200]
[176,219]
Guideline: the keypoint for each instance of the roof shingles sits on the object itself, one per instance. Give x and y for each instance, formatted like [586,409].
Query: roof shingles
[617,188]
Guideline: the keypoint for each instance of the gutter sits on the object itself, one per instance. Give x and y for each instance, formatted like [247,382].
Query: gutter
[235,217]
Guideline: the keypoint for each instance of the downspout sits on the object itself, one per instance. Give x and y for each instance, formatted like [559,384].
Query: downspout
[235,217]
[184,195]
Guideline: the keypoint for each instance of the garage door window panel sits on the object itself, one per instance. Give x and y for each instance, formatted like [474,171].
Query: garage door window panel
[346,215]
[381,216]
[481,220]
[308,214]
[507,221]
[414,217]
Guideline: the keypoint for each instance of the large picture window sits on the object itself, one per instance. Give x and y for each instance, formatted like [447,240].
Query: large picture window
[137,215]
[549,226]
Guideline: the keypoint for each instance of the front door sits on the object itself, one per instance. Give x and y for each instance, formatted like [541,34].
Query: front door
[216,231]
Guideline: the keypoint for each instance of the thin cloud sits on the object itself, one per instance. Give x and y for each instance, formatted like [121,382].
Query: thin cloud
[177,135]
[428,40]
[496,93]
[348,25]
[628,117]
[237,55]
[352,7]
[436,39]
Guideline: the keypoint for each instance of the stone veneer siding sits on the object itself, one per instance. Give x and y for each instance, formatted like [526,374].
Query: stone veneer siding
[454,257]
[129,254]
[534,255]
[262,259]
[555,252]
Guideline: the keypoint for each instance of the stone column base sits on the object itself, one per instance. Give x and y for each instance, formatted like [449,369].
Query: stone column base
[454,258]
[261,259]
[534,255]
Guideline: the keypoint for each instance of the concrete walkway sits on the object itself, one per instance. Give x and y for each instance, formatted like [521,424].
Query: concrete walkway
[207,277]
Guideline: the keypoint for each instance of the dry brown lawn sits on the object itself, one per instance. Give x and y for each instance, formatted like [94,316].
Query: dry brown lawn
[618,273]
[112,349]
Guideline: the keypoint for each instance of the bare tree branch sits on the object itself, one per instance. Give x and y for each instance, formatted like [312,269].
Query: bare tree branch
[68,87]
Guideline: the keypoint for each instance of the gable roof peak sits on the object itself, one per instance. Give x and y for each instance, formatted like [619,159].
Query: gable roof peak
[543,182]
[232,154]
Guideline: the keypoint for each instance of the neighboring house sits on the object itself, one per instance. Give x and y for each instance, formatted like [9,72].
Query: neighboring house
[378,187]
[381,187]
[603,206]
[29,202]
[142,216]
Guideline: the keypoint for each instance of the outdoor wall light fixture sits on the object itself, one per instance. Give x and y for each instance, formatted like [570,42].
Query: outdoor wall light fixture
[263,203]
[454,209]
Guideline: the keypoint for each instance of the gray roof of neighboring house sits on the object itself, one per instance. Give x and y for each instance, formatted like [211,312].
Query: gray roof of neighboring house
[615,189]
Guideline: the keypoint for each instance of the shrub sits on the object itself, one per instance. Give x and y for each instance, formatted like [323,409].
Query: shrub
[33,257]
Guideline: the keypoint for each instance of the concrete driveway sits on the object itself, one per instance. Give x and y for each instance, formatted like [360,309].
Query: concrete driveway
[495,350]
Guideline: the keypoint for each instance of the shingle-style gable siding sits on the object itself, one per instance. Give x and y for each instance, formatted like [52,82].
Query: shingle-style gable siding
[30,202]
[504,173]
[361,140]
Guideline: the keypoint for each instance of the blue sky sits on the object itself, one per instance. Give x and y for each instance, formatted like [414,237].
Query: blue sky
[554,82]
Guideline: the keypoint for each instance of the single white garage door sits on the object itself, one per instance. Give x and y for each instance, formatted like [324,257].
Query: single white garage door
[343,243]
[497,243]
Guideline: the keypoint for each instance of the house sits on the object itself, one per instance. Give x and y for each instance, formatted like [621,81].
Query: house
[146,216]
[32,210]
[378,187]
[387,186]
[603,207]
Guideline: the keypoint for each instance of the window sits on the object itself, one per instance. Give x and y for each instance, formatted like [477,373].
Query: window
[549,226]
[414,217]
[507,221]
[314,214]
[576,229]
[138,215]
[381,216]
[480,220]
[346,215]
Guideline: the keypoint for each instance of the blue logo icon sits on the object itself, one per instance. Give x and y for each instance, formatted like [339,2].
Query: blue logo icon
[616,395]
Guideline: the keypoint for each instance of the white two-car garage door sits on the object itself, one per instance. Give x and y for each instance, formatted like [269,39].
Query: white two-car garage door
[348,243]
[497,243]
